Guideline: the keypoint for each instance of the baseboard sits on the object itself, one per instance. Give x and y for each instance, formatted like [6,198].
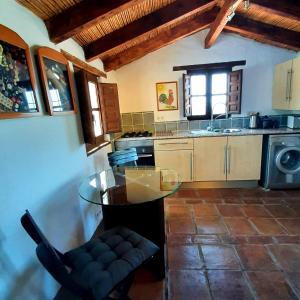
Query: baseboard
[220,184]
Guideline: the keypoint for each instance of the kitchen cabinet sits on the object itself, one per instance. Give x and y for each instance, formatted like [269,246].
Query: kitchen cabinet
[286,85]
[244,157]
[227,158]
[210,158]
[175,154]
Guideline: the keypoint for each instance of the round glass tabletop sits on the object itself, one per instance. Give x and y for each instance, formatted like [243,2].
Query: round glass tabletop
[129,185]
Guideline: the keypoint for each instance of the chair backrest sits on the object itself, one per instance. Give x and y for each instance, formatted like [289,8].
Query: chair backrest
[54,265]
[35,232]
[126,157]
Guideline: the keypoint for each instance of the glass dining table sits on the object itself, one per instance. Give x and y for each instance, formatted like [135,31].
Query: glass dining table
[134,197]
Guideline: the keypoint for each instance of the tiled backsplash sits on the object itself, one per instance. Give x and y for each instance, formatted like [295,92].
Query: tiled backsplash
[140,121]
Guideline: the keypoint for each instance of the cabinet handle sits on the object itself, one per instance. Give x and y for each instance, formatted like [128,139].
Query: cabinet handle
[287,86]
[291,80]
[191,166]
[225,159]
[229,159]
[163,144]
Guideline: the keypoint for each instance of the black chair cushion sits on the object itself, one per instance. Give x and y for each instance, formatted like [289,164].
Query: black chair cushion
[102,263]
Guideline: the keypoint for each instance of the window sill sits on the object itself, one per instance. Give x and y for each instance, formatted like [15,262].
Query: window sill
[91,150]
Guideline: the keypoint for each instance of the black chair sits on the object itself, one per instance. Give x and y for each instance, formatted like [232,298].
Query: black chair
[98,268]
[127,157]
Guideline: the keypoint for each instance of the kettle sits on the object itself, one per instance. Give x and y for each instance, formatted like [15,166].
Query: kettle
[254,119]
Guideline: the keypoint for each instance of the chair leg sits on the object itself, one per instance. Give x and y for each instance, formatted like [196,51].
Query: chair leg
[125,287]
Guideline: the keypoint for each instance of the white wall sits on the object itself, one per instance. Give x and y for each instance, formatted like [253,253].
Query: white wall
[137,80]
[43,160]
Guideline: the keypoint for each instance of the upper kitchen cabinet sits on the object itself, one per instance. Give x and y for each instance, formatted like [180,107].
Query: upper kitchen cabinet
[286,85]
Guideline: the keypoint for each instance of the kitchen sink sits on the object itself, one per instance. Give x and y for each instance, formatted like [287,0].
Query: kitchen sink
[232,130]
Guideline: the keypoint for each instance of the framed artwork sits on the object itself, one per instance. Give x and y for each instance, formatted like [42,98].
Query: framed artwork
[167,95]
[17,83]
[56,81]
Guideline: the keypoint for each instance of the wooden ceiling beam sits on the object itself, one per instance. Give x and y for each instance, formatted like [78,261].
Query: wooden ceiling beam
[284,8]
[217,26]
[164,38]
[165,16]
[82,65]
[264,33]
[84,15]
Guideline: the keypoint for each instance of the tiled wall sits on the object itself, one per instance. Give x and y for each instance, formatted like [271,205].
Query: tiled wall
[145,121]
[139,121]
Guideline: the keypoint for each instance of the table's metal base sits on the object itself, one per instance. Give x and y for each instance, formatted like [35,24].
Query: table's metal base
[147,219]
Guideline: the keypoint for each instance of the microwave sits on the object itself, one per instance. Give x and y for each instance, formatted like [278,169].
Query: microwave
[293,122]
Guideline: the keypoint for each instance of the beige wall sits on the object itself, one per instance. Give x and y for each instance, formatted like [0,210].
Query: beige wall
[137,80]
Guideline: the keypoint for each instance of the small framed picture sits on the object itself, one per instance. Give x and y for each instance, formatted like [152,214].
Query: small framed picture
[167,95]
[17,83]
[56,81]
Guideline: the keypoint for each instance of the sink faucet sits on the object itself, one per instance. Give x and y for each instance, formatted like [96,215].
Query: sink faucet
[211,127]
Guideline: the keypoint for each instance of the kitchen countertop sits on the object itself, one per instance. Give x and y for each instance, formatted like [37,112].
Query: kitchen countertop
[205,133]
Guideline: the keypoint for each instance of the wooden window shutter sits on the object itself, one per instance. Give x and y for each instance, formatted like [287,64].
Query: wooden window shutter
[187,95]
[109,100]
[234,96]
[86,110]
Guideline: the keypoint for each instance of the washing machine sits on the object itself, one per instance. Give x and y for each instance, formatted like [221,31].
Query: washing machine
[281,162]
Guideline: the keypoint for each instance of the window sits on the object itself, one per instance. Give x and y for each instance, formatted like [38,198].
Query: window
[99,109]
[212,91]
[90,108]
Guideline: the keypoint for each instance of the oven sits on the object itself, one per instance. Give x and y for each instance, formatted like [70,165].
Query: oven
[144,149]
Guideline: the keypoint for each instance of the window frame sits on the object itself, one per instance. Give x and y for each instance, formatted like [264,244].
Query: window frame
[208,73]
[94,79]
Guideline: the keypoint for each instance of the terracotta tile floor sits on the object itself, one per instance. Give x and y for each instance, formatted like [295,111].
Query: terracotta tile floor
[233,244]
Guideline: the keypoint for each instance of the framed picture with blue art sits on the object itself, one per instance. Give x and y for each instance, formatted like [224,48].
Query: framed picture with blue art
[57,82]
[167,96]
[17,82]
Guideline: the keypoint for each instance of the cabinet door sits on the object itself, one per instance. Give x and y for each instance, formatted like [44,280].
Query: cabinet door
[210,159]
[179,160]
[109,100]
[281,85]
[244,157]
[295,85]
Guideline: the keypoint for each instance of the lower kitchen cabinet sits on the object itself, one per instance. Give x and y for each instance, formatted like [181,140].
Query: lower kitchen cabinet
[179,160]
[244,157]
[227,158]
[210,158]
[175,154]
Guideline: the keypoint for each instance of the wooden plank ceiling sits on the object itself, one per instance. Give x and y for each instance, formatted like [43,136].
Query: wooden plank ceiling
[121,31]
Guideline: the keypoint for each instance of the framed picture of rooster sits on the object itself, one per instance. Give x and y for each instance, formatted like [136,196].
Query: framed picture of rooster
[167,95]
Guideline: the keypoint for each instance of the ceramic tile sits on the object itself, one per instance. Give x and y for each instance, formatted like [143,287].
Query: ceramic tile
[239,226]
[228,285]
[184,257]
[255,257]
[271,285]
[188,284]
[137,118]
[210,225]
[220,257]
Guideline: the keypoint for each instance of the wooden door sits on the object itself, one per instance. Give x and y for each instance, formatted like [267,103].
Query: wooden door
[244,157]
[210,159]
[295,85]
[178,160]
[109,100]
[281,85]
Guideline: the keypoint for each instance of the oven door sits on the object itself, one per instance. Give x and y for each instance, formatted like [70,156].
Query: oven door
[145,159]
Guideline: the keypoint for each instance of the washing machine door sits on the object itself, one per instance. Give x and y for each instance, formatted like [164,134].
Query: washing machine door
[288,160]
